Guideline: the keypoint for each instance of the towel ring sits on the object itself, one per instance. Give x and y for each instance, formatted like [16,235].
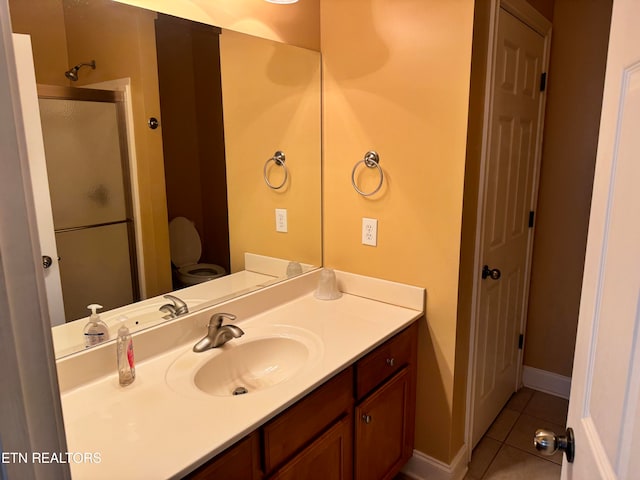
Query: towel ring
[371,160]
[278,159]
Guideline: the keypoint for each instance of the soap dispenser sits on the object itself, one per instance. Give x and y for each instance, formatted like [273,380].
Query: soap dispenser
[96,331]
[126,363]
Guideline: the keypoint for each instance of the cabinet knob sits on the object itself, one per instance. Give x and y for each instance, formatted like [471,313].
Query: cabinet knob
[391,361]
[366,418]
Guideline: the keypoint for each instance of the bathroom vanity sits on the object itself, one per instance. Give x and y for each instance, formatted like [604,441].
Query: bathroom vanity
[359,424]
[339,401]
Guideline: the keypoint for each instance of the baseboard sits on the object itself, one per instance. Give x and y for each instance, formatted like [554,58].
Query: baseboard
[547,382]
[422,467]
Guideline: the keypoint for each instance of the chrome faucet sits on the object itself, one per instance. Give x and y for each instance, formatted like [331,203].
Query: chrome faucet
[174,309]
[218,334]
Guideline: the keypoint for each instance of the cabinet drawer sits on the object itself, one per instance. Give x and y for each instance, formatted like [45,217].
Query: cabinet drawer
[302,422]
[386,360]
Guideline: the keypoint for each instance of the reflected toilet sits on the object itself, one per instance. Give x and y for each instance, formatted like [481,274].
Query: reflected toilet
[186,249]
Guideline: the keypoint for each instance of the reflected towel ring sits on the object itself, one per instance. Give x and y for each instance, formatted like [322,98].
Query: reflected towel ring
[278,158]
[371,160]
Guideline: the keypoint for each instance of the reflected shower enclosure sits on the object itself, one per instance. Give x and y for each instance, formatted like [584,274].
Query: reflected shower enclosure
[88,172]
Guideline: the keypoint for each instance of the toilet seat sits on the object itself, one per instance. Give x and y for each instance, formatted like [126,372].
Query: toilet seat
[185,248]
[200,270]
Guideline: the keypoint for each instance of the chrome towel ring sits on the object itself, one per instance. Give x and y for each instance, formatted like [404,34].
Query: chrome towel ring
[278,158]
[371,160]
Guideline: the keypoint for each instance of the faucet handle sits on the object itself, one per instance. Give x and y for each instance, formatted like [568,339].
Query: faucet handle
[169,309]
[180,306]
[217,318]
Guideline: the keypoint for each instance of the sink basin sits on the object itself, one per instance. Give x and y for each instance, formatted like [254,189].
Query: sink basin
[259,360]
[251,366]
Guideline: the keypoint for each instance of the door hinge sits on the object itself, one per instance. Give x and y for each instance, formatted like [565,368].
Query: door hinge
[520,342]
[543,81]
[532,215]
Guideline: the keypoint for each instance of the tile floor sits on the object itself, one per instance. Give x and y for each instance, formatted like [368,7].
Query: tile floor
[507,452]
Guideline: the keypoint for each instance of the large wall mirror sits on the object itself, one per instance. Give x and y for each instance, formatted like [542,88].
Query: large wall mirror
[195,115]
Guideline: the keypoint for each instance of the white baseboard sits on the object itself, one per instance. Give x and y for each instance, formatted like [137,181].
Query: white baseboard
[547,382]
[424,467]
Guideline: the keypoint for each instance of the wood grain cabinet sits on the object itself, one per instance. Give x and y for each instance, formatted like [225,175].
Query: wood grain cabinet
[358,425]
[306,420]
[329,457]
[382,430]
[240,462]
[386,409]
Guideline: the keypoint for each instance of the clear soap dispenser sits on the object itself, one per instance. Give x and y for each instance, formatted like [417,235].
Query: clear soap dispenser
[126,363]
[96,331]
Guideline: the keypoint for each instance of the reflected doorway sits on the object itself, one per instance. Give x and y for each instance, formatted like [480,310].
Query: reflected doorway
[88,177]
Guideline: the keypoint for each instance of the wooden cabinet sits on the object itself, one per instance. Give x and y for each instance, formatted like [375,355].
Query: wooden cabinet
[382,430]
[385,414]
[359,424]
[297,426]
[329,457]
[386,360]
[239,462]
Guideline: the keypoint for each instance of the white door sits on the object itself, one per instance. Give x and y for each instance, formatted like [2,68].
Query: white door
[604,408]
[38,172]
[509,195]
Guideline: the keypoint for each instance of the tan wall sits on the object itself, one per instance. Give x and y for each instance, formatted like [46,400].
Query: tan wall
[294,24]
[271,102]
[121,40]
[576,78]
[45,24]
[399,84]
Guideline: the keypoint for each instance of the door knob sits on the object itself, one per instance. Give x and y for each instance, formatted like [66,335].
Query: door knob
[47,261]
[548,443]
[492,273]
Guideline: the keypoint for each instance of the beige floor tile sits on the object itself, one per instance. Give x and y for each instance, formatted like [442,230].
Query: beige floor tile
[482,456]
[520,399]
[548,407]
[522,433]
[502,425]
[514,464]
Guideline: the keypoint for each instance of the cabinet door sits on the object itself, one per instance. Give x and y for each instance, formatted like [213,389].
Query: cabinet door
[329,457]
[239,462]
[299,425]
[384,429]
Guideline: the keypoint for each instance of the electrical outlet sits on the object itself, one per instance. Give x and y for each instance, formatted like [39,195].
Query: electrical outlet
[281,220]
[370,231]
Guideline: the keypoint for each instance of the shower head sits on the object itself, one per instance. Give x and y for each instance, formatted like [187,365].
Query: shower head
[72,73]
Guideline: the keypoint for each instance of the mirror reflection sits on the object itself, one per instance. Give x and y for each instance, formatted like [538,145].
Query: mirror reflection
[159,136]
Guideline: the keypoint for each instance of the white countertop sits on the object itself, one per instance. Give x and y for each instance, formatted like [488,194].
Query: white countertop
[153,430]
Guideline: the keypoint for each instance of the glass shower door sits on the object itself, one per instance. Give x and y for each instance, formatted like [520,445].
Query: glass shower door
[87,170]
